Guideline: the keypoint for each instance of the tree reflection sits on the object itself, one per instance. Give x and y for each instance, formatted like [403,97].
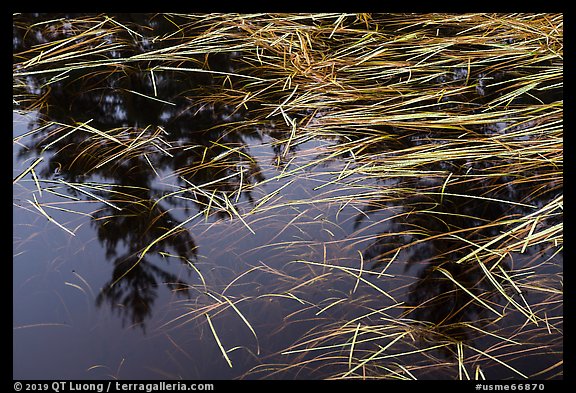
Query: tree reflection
[146,137]
[137,221]
[437,226]
[150,135]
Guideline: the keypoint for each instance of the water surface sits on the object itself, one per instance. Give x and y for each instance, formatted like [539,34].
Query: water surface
[200,214]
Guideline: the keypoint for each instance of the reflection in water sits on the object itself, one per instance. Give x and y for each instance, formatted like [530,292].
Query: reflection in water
[154,129]
[137,221]
[437,227]
[146,145]
[446,293]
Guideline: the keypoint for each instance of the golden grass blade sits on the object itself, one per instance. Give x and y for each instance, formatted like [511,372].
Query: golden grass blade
[37,206]
[35,178]
[165,68]
[479,375]
[331,305]
[461,365]
[245,321]
[349,271]
[31,167]
[449,276]
[151,98]
[352,346]
[497,360]
[218,341]
[96,131]
[360,272]
[90,194]
[279,107]
[499,337]
[189,263]
[158,239]
[375,355]
[233,209]
[500,289]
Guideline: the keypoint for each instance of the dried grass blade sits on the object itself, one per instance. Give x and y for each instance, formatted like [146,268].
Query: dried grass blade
[218,341]
[449,276]
[91,195]
[348,271]
[497,360]
[352,346]
[31,167]
[245,322]
[43,212]
[209,72]
[375,355]
[233,209]
[158,239]
[151,98]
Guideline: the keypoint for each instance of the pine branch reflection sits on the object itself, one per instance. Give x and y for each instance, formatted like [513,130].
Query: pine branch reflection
[152,143]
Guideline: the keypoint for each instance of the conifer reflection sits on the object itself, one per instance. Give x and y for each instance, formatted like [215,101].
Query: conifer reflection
[433,230]
[147,138]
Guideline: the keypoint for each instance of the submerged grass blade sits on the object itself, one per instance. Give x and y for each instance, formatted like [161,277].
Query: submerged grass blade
[243,320]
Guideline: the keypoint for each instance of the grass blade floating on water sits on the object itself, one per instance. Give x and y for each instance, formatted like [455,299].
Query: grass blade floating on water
[218,341]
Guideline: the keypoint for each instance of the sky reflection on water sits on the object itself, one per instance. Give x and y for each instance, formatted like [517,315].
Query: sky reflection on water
[176,174]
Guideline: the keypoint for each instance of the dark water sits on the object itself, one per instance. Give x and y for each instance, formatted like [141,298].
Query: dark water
[92,306]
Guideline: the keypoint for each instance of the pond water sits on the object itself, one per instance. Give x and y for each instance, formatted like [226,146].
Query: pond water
[145,253]
[61,282]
